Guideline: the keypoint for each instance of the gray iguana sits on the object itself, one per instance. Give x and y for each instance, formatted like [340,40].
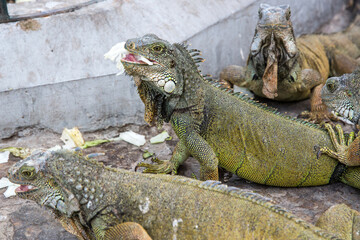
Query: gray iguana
[283,68]
[342,96]
[97,202]
[221,129]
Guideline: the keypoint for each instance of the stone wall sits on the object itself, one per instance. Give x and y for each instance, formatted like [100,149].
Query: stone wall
[53,74]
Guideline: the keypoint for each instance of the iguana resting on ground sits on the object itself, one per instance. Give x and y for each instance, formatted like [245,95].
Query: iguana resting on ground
[98,202]
[221,129]
[342,95]
[282,68]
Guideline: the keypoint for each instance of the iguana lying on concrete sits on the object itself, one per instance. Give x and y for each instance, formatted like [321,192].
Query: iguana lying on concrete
[98,202]
[342,96]
[221,129]
[282,68]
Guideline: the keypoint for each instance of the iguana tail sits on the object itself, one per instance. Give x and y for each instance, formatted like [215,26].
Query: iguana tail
[351,177]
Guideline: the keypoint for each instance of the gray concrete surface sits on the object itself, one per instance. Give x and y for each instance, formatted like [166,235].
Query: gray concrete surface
[52,71]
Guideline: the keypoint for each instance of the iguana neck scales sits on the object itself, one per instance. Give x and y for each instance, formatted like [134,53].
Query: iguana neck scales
[104,201]
[220,129]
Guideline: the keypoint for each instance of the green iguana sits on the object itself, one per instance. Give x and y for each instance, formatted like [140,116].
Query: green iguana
[282,68]
[98,202]
[221,129]
[342,96]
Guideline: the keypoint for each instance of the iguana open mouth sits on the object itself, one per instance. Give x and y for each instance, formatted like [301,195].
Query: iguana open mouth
[119,54]
[25,189]
[138,59]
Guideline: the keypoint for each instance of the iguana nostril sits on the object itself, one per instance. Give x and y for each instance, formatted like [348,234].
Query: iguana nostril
[131,45]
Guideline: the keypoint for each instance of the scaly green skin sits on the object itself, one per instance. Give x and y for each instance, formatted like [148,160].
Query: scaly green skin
[220,129]
[282,68]
[167,207]
[342,95]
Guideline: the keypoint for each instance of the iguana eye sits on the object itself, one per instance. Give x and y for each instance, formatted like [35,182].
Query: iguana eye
[27,173]
[331,85]
[157,48]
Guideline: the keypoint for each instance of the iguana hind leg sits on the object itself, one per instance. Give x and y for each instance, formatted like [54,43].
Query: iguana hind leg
[127,231]
[347,153]
[341,220]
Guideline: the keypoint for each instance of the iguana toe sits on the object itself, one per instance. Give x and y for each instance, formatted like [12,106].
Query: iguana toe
[319,117]
[159,166]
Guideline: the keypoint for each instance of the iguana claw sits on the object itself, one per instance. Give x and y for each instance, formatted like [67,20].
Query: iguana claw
[319,117]
[341,147]
[159,166]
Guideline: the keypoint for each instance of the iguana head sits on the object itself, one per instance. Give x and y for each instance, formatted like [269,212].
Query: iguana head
[342,96]
[273,48]
[152,59]
[158,69]
[38,183]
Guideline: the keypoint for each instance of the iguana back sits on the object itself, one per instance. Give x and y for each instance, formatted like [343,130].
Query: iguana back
[106,199]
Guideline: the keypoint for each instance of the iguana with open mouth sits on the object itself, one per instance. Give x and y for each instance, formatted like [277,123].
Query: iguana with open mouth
[97,202]
[283,68]
[221,129]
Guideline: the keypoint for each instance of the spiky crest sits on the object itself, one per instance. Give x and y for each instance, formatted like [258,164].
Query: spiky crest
[255,198]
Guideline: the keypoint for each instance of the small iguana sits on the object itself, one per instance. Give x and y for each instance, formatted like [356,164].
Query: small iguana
[342,96]
[103,203]
[283,68]
[221,129]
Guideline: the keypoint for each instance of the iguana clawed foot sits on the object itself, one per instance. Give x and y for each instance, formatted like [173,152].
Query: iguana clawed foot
[159,166]
[319,117]
[342,149]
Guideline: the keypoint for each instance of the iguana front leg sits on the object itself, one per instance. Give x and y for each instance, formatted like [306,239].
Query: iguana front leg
[347,153]
[73,226]
[105,228]
[312,79]
[191,143]
[180,154]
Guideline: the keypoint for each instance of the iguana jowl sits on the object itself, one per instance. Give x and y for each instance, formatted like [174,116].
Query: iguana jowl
[221,129]
[98,202]
[283,68]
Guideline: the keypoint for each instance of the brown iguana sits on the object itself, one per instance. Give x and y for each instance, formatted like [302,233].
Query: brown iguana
[98,202]
[282,68]
[221,129]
